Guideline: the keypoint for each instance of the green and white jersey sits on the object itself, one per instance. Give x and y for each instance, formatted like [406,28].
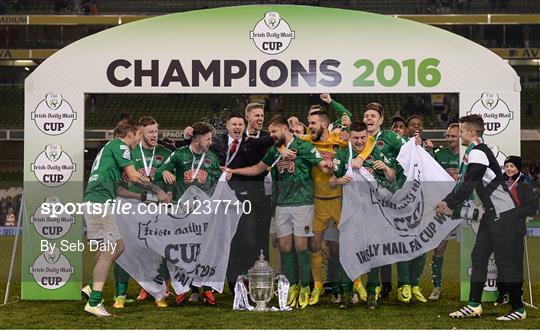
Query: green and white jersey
[342,164]
[107,171]
[294,181]
[448,160]
[389,142]
[340,110]
[201,170]
[154,157]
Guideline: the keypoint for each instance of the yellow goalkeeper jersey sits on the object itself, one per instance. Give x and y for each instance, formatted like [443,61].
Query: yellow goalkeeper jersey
[327,149]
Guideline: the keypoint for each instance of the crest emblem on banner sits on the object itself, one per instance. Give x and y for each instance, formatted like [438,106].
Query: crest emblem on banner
[495,112]
[52,256]
[272,20]
[53,100]
[272,34]
[53,115]
[53,152]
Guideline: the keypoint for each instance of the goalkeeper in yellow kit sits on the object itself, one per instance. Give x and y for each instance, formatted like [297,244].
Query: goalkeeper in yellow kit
[327,204]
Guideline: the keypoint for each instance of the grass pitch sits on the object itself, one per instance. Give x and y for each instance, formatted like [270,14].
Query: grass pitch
[389,315]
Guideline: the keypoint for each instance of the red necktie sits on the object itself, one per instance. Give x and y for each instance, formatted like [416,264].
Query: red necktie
[234,145]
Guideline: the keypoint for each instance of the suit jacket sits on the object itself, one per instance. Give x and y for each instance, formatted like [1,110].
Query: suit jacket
[250,152]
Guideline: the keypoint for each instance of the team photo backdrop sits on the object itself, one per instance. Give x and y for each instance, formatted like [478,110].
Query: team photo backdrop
[247,49]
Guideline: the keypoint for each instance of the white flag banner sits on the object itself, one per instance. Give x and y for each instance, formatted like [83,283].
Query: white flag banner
[195,241]
[379,228]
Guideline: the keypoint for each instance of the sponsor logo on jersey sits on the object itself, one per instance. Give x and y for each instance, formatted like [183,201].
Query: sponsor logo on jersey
[380,144]
[327,155]
[202,175]
[495,112]
[272,34]
[286,165]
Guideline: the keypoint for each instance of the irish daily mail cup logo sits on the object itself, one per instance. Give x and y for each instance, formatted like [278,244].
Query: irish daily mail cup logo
[51,270]
[272,35]
[53,115]
[51,227]
[495,112]
[53,167]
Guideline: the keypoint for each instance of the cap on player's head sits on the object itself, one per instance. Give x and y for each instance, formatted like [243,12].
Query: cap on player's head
[357,126]
[278,120]
[200,129]
[376,107]
[124,127]
[322,115]
[146,121]
[476,123]
[253,105]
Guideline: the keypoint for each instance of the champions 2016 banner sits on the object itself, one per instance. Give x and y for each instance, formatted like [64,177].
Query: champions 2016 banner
[247,50]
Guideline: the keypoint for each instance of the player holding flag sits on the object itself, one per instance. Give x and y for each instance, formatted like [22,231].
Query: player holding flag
[294,210]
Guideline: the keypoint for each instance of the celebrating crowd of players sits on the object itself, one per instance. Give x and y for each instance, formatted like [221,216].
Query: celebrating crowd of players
[293,176]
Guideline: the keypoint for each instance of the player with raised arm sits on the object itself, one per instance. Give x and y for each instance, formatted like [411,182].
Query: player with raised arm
[389,143]
[327,203]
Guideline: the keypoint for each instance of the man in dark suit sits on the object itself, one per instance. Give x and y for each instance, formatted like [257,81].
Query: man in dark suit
[235,150]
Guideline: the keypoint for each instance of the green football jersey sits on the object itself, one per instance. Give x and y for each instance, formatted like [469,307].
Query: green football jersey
[160,155]
[107,171]
[340,110]
[389,143]
[294,181]
[342,164]
[183,164]
[448,160]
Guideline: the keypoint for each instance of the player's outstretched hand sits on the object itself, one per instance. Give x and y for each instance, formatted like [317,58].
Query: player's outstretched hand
[228,171]
[345,180]
[357,163]
[379,165]
[346,120]
[164,197]
[326,98]
[188,132]
[417,138]
[168,177]
[288,154]
[442,208]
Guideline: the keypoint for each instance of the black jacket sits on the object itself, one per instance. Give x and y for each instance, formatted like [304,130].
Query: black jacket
[527,204]
[483,176]
[248,154]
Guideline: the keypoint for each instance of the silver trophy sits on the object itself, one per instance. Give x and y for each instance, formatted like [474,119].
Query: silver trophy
[261,283]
